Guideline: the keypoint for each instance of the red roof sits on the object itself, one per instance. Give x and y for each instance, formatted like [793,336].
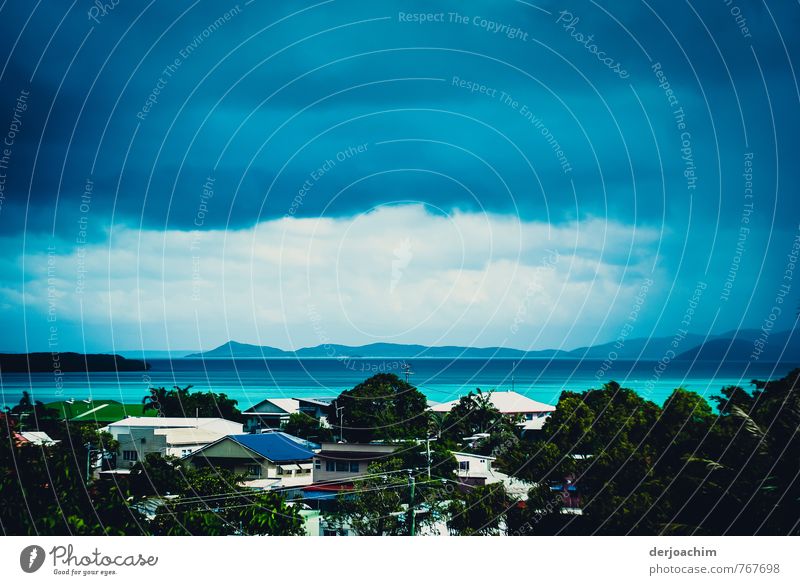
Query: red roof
[329,488]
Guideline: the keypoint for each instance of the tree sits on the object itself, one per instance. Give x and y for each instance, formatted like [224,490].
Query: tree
[211,502]
[675,469]
[34,415]
[44,490]
[475,414]
[480,510]
[179,402]
[378,504]
[746,479]
[156,476]
[436,423]
[307,427]
[374,506]
[384,407]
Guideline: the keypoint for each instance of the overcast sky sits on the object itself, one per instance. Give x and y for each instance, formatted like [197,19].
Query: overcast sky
[523,174]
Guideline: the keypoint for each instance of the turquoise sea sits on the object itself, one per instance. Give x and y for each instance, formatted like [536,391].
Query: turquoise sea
[251,380]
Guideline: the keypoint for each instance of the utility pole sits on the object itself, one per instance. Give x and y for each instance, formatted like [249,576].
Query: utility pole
[428,449]
[88,461]
[411,511]
[339,415]
[407,371]
[428,452]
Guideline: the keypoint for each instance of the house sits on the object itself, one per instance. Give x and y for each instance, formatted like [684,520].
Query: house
[317,408]
[476,470]
[532,412]
[173,436]
[267,460]
[341,461]
[271,413]
[37,438]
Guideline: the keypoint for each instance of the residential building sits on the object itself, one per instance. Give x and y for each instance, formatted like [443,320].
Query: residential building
[268,460]
[317,408]
[38,438]
[341,461]
[476,470]
[532,412]
[174,436]
[271,413]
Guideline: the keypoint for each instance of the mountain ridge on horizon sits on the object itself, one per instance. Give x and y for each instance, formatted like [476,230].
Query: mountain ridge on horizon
[730,345]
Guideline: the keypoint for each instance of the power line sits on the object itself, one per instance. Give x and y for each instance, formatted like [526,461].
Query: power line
[255,491]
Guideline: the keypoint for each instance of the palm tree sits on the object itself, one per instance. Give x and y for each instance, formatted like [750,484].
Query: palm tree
[485,411]
[155,400]
[436,423]
[25,403]
[173,402]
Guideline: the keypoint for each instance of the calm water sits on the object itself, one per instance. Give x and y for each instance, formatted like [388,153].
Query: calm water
[251,380]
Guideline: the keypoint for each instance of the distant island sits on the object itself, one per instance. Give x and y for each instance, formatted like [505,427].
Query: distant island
[68,362]
[734,346]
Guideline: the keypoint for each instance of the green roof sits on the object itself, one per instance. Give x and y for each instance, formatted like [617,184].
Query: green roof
[105,411]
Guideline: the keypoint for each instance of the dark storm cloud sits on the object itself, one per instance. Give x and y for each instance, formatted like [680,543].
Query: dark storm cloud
[150,101]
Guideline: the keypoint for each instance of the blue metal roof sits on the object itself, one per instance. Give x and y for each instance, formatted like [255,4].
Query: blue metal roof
[277,447]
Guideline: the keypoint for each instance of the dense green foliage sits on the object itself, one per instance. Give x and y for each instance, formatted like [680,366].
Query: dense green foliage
[207,501]
[479,511]
[32,414]
[45,491]
[472,415]
[384,407]
[211,502]
[181,403]
[375,505]
[307,427]
[608,461]
[378,502]
[678,469]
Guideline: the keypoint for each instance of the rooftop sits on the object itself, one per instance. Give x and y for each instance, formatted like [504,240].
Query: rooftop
[507,402]
[288,405]
[188,435]
[36,438]
[277,447]
[169,422]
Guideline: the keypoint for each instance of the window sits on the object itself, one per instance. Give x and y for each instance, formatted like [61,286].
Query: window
[340,466]
[255,470]
[463,465]
[185,452]
[317,464]
[130,456]
[529,416]
[280,470]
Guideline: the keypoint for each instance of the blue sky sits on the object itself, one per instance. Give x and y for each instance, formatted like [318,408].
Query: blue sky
[323,171]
